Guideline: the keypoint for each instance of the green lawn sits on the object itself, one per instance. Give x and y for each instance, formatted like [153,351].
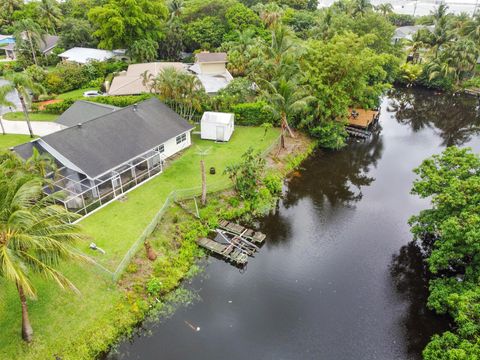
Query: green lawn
[116,227]
[9,140]
[41,116]
[74,94]
[63,322]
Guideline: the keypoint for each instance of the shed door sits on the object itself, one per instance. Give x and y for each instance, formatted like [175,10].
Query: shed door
[220,133]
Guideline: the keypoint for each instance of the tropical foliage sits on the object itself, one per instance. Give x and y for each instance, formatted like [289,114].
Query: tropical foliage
[35,234]
[449,232]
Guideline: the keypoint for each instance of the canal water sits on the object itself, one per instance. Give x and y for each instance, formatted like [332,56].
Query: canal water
[338,278]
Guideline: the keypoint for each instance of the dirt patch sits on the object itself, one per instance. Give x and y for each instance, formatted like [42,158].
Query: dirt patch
[43,104]
[278,157]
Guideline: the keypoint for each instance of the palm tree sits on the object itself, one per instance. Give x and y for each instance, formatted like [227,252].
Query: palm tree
[29,31]
[7,8]
[384,9]
[51,14]
[181,91]
[472,29]
[241,51]
[24,86]
[35,236]
[285,98]
[270,13]
[176,8]
[360,7]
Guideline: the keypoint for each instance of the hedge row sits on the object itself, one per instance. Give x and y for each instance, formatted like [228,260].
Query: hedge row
[255,113]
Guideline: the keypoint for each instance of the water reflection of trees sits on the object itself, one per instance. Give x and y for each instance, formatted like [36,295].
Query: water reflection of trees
[455,118]
[411,282]
[336,177]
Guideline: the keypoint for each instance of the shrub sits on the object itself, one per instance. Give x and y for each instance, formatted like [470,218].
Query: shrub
[154,286]
[254,113]
[273,183]
[65,77]
[60,107]
[121,101]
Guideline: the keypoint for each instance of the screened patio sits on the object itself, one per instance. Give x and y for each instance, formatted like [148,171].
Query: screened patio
[82,195]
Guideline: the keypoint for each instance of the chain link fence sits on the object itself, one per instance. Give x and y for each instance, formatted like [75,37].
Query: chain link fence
[172,197]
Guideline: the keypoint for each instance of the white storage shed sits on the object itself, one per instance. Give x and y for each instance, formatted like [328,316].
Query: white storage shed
[217,126]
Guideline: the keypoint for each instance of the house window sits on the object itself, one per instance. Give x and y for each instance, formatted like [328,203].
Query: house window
[181,138]
[160,149]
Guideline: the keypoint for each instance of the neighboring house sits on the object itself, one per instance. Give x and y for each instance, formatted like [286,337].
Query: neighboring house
[407,32]
[82,111]
[82,55]
[102,158]
[47,44]
[131,82]
[211,70]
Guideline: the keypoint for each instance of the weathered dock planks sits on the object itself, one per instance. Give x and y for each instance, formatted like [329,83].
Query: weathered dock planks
[255,236]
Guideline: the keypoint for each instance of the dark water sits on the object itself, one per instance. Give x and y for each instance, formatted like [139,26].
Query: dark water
[338,278]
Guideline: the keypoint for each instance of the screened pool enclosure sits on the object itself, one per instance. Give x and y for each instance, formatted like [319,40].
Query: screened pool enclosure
[82,195]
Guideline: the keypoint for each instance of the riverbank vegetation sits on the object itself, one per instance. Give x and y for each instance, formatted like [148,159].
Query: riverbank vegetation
[449,233]
[340,57]
[444,54]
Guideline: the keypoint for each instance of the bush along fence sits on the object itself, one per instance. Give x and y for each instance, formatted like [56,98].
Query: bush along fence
[172,197]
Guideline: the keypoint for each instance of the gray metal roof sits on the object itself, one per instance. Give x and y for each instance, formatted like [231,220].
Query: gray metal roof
[102,144]
[82,111]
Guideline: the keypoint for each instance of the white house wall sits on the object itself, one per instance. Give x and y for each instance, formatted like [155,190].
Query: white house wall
[212,68]
[171,146]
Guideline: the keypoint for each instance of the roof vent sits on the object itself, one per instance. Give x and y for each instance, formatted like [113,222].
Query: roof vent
[79,125]
[135,107]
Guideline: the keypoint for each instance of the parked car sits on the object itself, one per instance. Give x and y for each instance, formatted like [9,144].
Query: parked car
[93,93]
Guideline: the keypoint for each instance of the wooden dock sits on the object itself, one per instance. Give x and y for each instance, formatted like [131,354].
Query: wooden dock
[361,118]
[473,91]
[229,252]
[254,236]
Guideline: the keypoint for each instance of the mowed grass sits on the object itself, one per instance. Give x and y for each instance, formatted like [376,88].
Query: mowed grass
[65,322]
[9,140]
[74,94]
[18,115]
[116,227]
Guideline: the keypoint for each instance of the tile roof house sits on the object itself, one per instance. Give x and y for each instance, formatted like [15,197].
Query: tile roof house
[101,158]
[130,82]
[407,32]
[209,68]
[47,44]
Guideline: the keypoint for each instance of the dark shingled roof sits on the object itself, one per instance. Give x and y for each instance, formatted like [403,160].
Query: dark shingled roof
[101,144]
[211,57]
[82,111]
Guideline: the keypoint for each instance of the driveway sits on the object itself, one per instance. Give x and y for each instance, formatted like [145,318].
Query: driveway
[12,97]
[40,128]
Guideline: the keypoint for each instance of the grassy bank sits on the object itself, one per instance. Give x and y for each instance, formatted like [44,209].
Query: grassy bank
[79,327]
[116,227]
[9,140]
[41,116]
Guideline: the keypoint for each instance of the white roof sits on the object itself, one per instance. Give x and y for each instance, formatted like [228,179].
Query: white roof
[217,117]
[84,55]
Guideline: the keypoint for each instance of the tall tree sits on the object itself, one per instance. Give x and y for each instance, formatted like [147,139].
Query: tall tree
[181,91]
[35,236]
[24,86]
[119,23]
[28,32]
[50,14]
[285,98]
[384,9]
[7,8]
